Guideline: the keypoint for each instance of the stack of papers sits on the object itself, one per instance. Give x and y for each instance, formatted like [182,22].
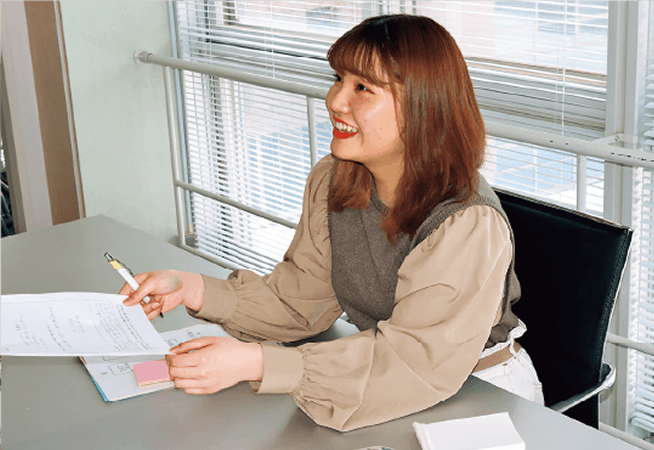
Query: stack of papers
[109,338]
[491,432]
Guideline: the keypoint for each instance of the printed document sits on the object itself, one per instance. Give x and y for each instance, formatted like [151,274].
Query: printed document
[76,324]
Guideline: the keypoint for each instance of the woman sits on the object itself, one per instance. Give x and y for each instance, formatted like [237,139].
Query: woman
[398,230]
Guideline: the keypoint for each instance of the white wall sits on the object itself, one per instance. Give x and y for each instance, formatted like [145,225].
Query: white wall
[119,111]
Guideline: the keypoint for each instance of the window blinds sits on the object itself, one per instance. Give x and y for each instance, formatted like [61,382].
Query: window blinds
[648,112]
[251,145]
[642,308]
[534,64]
[539,65]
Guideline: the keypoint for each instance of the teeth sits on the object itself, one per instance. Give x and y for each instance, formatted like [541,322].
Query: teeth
[344,127]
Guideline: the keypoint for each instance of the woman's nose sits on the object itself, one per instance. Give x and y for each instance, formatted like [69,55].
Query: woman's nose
[337,99]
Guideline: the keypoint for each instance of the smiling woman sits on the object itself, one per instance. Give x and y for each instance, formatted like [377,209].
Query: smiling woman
[398,230]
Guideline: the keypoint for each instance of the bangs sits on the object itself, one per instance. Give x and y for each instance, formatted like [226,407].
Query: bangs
[360,54]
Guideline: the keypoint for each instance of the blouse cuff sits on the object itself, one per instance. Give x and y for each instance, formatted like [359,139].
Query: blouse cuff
[219,300]
[282,370]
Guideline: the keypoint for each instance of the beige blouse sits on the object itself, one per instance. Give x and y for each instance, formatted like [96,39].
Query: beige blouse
[447,299]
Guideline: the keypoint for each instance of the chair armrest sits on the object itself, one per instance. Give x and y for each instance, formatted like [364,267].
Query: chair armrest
[607,378]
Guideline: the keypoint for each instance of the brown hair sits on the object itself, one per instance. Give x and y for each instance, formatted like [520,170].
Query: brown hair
[442,128]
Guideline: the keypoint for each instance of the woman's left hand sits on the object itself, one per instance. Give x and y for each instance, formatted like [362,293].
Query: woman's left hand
[210,364]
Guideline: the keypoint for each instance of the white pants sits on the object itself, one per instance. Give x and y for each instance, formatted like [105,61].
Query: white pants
[516,375]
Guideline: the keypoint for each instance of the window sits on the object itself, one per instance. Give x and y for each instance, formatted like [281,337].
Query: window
[536,66]
[251,144]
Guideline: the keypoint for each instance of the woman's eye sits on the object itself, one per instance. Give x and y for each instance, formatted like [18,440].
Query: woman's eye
[361,87]
[337,78]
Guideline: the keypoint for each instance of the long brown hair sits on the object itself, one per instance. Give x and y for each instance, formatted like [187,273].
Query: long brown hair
[442,128]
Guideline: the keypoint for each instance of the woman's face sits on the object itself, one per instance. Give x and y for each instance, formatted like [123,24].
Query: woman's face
[366,128]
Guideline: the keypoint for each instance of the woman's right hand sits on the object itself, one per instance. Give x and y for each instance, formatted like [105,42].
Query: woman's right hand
[167,290]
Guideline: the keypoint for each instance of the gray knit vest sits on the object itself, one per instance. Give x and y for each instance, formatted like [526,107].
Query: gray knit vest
[365,265]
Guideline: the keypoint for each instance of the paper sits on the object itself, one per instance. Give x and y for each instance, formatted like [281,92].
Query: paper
[491,432]
[76,324]
[114,376]
[151,372]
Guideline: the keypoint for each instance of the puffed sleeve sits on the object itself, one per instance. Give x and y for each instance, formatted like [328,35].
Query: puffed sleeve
[448,295]
[296,299]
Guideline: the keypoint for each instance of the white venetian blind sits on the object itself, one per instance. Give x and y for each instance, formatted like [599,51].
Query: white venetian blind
[251,145]
[642,306]
[648,113]
[534,64]
[538,65]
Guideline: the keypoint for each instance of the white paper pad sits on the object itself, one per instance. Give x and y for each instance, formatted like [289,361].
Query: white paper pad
[76,324]
[491,432]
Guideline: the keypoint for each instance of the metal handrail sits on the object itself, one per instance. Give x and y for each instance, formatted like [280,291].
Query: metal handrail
[629,343]
[232,74]
[610,153]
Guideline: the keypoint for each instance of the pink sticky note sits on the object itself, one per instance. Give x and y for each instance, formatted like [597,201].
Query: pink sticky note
[151,372]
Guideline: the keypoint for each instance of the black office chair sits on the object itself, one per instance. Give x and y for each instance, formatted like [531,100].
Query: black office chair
[569,265]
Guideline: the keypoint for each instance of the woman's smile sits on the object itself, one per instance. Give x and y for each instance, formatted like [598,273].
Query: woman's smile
[342,130]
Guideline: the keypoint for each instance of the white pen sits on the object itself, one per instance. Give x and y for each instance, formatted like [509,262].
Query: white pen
[125,272]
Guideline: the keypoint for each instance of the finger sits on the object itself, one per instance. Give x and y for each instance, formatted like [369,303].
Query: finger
[191,386]
[155,308]
[187,383]
[152,306]
[141,277]
[125,290]
[151,315]
[183,360]
[199,391]
[194,344]
[133,298]
[185,373]
[147,285]
[190,353]
[141,293]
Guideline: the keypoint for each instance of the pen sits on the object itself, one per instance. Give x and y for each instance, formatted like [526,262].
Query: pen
[124,272]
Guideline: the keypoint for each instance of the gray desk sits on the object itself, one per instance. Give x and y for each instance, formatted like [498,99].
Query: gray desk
[51,403]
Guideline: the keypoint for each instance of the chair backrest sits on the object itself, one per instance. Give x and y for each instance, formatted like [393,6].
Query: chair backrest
[570,266]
